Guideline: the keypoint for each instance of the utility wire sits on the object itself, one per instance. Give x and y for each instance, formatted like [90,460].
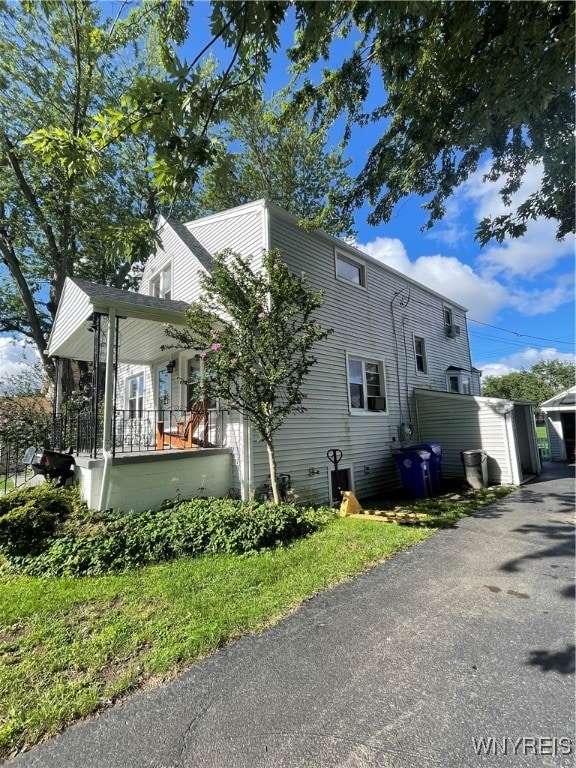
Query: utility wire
[517,333]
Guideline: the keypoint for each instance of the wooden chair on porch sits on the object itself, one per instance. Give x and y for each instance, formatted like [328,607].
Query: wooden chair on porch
[184,436]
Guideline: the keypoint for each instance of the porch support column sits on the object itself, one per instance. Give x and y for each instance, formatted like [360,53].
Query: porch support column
[109,383]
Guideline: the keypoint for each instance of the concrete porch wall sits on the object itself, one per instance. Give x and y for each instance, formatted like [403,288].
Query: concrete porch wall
[140,482]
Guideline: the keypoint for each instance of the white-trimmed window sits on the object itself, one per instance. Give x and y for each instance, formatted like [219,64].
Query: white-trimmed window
[161,284]
[135,396]
[459,382]
[366,388]
[420,354]
[447,318]
[350,269]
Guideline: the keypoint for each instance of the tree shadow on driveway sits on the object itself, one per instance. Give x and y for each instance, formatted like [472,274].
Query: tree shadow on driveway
[563,662]
[562,537]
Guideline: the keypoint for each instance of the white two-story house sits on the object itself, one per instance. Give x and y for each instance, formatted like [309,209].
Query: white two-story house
[392,339]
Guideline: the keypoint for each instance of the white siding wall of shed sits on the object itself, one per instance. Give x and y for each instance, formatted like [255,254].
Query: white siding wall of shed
[460,423]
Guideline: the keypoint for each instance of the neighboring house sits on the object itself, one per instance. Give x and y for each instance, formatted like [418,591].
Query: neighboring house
[560,417]
[391,336]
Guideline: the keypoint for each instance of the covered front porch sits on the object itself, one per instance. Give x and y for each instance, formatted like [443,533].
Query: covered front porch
[132,437]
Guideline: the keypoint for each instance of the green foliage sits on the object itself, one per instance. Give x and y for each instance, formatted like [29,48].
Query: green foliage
[70,647]
[81,544]
[24,408]
[453,84]
[281,158]
[544,380]
[30,517]
[101,126]
[255,330]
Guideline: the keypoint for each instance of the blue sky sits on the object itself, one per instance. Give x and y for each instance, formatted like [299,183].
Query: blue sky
[520,294]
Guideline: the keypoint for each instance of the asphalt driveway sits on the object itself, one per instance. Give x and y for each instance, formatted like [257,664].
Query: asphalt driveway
[459,652]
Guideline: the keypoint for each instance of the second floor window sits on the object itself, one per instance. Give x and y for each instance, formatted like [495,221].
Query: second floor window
[351,270]
[161,284]
[420,354]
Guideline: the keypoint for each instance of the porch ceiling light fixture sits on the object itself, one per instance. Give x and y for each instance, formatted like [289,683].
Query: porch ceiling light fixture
[93,327]
[171,366]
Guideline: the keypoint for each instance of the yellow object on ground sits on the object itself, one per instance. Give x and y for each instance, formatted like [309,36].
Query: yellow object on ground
[399,518]
[350,504]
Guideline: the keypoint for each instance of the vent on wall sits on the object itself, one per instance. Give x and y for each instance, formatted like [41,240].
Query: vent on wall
[452,331]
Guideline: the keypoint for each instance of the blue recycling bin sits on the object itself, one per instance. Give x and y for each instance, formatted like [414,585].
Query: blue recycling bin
[414,469]
[435,464]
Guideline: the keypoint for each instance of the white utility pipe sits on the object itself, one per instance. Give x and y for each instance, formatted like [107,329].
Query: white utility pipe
[108,409]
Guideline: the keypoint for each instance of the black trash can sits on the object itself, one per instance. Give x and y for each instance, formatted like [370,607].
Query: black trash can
[414,469]
[54,465]
[435,463]
[475,464]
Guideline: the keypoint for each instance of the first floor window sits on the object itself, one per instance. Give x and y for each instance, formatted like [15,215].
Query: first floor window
[136,396]
[366,385]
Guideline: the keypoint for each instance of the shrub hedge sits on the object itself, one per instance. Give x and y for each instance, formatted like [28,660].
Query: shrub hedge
[76,542]
[31,517]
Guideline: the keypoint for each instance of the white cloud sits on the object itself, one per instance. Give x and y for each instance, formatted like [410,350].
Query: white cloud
[444,274]
[529,256]
[545,300]
[523,359]
[15,358]
[536,252]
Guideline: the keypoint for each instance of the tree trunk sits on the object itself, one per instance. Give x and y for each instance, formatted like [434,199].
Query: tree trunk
[273,471]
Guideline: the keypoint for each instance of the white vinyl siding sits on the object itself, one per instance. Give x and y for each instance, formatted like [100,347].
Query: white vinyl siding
[362,324]
[465,423]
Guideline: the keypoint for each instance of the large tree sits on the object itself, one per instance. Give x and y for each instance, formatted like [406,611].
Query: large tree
[544,380]
[269,151]
[452,85]
[101,128]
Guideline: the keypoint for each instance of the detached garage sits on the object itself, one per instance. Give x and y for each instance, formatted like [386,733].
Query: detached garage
[560,417]
[506,430]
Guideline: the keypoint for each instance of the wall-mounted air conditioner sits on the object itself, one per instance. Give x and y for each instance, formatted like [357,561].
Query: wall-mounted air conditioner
[452,331]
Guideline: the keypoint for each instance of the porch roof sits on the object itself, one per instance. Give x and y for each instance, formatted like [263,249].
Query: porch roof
[141,329]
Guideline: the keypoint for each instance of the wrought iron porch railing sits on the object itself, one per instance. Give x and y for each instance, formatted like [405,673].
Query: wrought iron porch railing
[132,432]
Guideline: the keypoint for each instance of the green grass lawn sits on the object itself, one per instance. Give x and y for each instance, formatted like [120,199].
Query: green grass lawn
[69,647]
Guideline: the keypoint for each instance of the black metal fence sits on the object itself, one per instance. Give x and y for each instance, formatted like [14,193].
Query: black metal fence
[132,432]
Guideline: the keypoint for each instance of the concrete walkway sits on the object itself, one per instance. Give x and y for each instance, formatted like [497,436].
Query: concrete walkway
[467,637]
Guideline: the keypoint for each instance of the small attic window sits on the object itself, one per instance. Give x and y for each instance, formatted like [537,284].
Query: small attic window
[350,269]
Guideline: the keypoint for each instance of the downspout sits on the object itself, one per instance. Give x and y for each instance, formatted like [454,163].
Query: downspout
[108,409]
[246,458]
